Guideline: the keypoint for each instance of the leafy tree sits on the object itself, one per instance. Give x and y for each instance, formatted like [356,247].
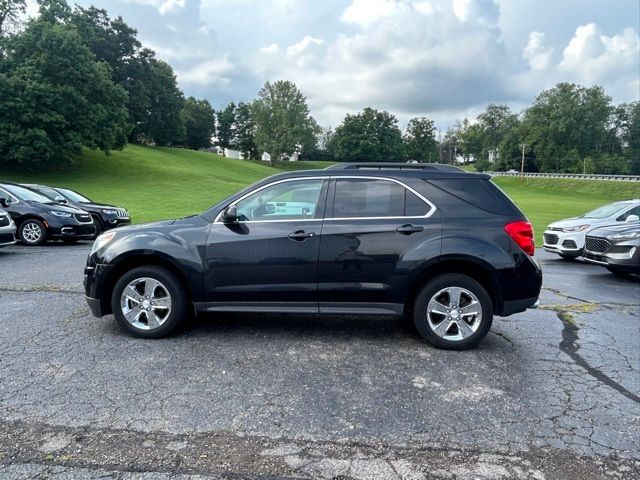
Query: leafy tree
[55,98]
[420,140]
[226,126]
[283,122]
[564,118]
[245,132]
[370,136]
[200,123]
[10,11]
[469,138]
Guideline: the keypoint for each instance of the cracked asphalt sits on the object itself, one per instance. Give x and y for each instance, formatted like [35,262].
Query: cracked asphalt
[550,394]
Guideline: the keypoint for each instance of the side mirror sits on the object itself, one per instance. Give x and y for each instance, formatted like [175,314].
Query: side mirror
[632,218]
[230,214]
[5,202]
[61,199]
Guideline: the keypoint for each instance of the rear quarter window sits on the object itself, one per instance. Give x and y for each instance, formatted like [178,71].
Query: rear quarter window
[481,193]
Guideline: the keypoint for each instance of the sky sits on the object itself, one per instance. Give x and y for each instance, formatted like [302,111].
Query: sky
[444,59]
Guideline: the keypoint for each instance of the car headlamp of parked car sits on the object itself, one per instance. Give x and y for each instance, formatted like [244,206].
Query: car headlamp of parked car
[102,241]
[626,235]
[577,228]
[110,212]
[60,214]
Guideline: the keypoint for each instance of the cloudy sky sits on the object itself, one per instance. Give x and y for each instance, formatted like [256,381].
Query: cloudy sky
[439,58]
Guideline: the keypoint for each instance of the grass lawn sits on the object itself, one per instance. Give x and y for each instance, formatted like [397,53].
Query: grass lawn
[159,183]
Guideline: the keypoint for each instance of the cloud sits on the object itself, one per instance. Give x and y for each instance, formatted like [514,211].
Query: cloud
[273,48]
[211,72]
[538,56]
[365,12]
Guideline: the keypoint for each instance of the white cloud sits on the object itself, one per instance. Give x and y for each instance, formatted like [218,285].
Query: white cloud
[170,5]
[273,48]
[365,12]
[303,45]
[485,12]
[538,56]
[214,72]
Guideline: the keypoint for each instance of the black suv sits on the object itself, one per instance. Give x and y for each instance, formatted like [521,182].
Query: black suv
[441,245]
[104,216]
[39,219]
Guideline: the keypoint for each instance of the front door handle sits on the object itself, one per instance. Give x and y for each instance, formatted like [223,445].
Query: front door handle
[301,235]
[409,229]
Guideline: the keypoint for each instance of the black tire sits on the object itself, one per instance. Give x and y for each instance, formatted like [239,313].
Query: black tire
[98,225]
[28,225]
[179,304]
[432,288]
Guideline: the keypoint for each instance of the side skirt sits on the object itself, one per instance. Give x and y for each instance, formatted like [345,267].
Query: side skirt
[347,308]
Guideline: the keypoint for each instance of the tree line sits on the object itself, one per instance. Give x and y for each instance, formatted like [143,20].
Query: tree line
[75,78]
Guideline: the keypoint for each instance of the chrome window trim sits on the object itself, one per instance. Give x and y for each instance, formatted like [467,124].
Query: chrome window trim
[432,207]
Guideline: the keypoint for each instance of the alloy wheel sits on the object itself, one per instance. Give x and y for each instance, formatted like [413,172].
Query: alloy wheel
[31,232]
[146,303]
[454,313]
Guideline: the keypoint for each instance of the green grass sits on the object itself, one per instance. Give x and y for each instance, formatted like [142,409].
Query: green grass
[545,200]
[159,183]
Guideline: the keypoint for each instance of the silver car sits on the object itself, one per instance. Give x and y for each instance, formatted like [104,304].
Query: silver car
[566,237]
[7,229]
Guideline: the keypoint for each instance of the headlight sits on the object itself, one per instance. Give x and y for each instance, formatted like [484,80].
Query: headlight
[102,241]
[577,228]
[110,212]
[626,236]
[60,214]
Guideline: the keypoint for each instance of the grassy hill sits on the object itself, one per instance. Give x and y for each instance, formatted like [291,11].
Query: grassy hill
[158,183]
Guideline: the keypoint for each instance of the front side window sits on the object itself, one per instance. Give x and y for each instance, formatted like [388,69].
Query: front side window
[26,194]
[365,198]
[293,200]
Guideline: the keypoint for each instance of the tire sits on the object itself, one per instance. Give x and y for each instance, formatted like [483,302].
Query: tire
[166,320]
[98,225]
[451,336]
[32,232]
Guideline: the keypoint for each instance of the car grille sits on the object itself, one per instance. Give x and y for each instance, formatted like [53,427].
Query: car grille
[83,217]
[550,238]
[6,238]
[4,221]
[122,213]
[595,244]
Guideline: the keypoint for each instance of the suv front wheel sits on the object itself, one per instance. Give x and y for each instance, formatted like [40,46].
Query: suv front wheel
[453,311]
[149,302]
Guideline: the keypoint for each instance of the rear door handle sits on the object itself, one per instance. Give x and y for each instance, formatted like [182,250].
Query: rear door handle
[301,235]
[409,229]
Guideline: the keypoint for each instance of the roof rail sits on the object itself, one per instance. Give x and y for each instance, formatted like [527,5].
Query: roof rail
[394,166]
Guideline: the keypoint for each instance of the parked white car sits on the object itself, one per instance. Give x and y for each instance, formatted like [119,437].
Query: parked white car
[7,229]
[566,237]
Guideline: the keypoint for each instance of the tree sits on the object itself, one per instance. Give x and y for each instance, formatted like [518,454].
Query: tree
[420,140]
[565,118]
[245,132]
[226,126]
[284,125]
[370,136]
[200,123]
[56,99]
[10,11]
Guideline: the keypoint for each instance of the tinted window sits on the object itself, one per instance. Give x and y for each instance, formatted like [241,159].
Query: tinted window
[74,196]
[26,194]
[633,211]
[292,200]
[480,193]
[375,198]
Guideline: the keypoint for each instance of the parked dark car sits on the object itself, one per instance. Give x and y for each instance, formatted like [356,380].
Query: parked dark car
[616,247]
[447,247]
[104,216]
[7,229]
[39,219]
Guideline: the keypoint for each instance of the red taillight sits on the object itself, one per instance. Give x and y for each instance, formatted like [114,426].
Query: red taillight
[522,233]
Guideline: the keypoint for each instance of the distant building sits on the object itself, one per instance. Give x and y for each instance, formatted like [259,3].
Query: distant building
[266,157]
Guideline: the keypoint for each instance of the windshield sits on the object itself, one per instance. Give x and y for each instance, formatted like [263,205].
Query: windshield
[26,194]
[47,192]
[73,196]
[607,210]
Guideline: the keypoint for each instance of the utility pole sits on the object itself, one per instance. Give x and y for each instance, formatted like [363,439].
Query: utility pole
[522,163]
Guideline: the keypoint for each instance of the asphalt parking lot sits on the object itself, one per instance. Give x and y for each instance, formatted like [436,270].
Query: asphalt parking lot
[550,394]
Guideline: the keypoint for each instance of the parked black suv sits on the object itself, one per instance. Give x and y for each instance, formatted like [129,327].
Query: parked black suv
[445,246]
[104,216]
[39,219]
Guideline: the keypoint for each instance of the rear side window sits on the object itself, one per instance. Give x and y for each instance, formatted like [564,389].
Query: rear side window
[480,193]
[367,198]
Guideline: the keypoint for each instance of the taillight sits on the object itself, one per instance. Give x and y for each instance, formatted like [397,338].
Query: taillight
[522,233]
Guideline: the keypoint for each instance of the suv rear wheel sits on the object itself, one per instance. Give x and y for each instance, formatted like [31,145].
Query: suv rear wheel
[453,311]
[149,302]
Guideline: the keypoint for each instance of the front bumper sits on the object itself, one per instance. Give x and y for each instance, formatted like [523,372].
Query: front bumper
[94,285]
[115,222]
[621,257]
[564,243]
[7,236]
[79,231]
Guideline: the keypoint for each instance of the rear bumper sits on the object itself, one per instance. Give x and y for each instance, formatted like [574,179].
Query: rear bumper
[516,306]
[518,288]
